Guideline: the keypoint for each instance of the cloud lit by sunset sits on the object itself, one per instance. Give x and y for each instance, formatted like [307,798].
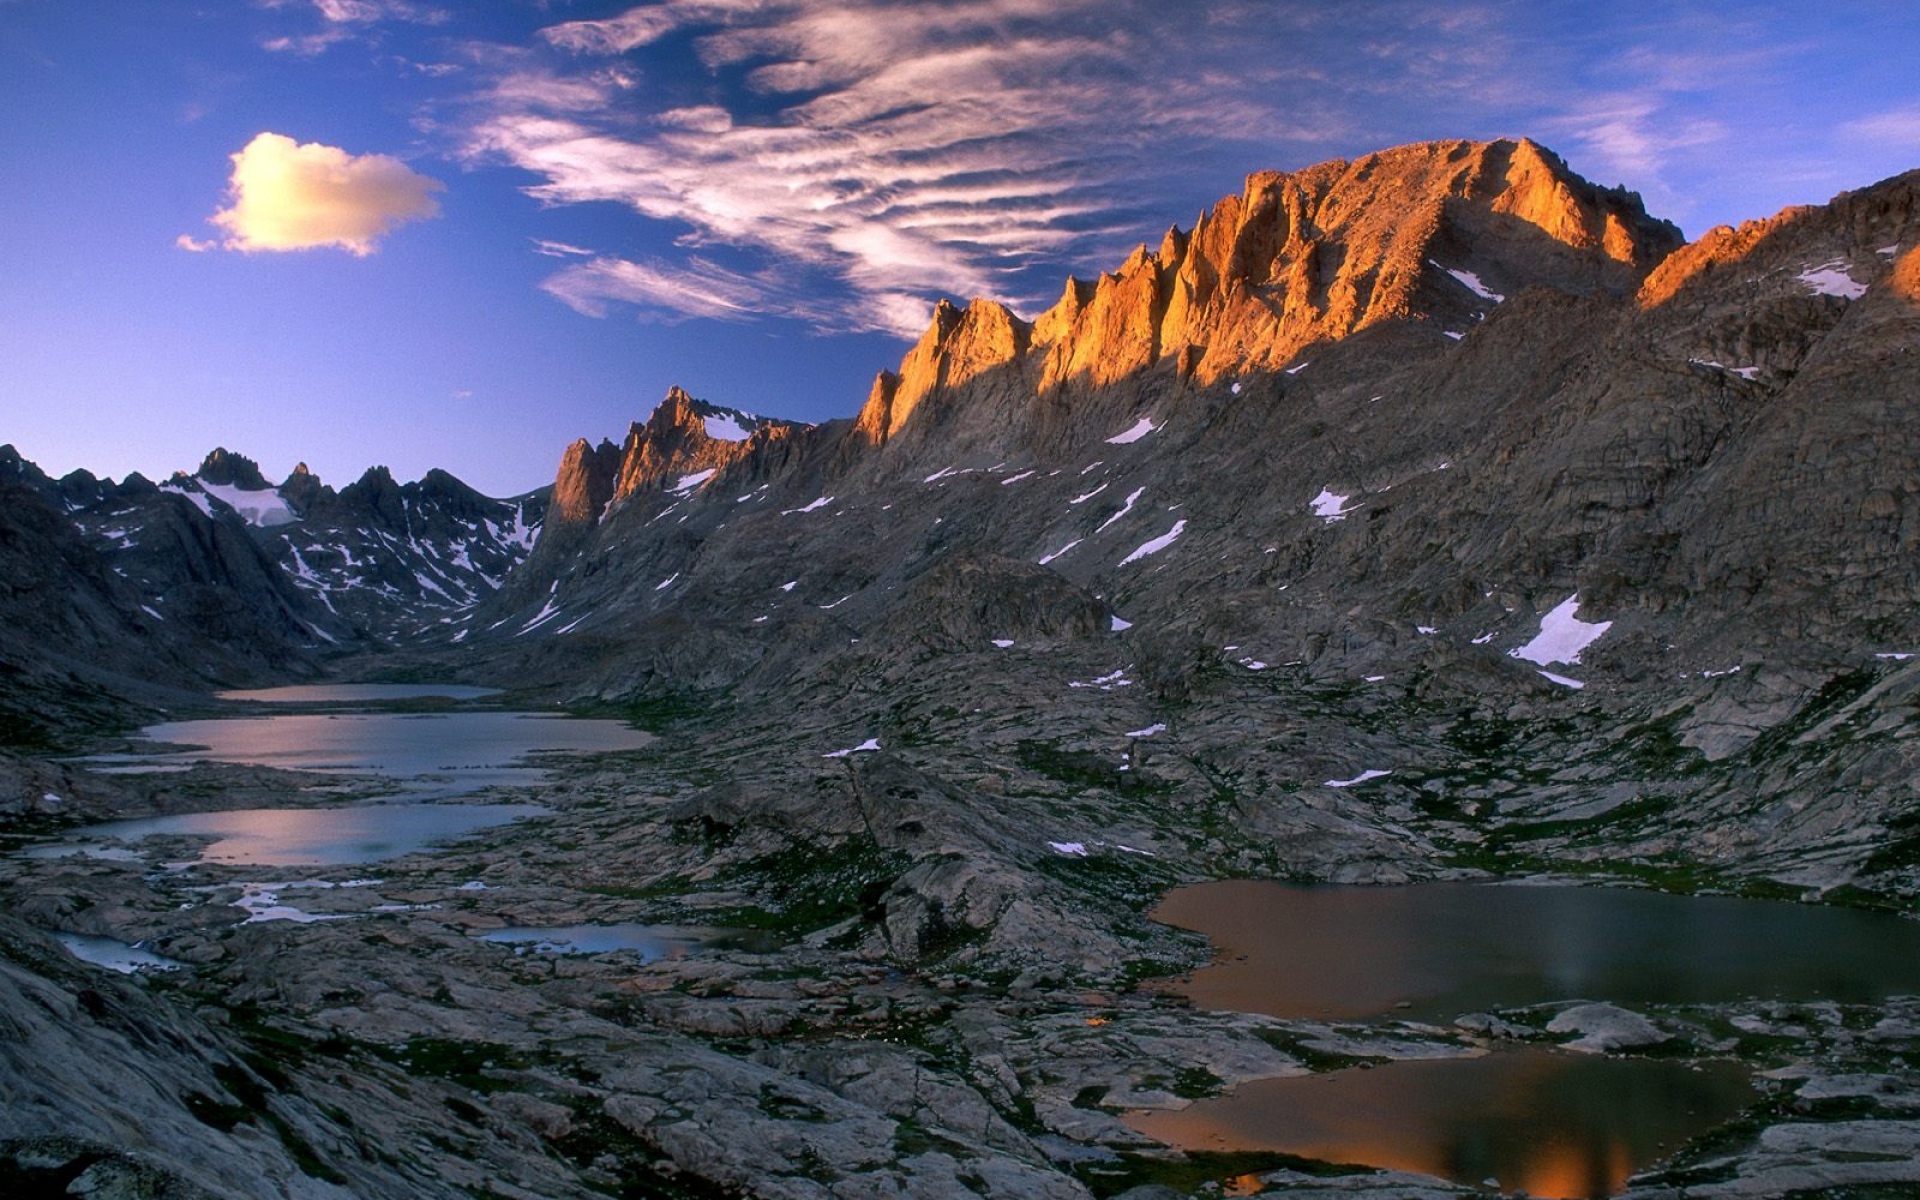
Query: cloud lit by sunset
[581,204]
[288,196]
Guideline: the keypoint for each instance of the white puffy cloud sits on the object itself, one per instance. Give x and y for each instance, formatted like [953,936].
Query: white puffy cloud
[286,195]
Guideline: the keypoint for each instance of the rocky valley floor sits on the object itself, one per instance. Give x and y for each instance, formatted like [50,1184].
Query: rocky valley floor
[953,991]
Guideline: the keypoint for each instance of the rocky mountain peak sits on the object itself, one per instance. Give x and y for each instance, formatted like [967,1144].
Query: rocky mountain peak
[1434,234]
[224,468]
[584,485]
[1430,236]
[959,345]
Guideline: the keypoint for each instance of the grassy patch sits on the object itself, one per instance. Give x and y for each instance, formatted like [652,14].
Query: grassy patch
[1075,768]
[803,888]
[464,1063]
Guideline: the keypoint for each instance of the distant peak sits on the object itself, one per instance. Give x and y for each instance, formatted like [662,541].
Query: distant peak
[224,468]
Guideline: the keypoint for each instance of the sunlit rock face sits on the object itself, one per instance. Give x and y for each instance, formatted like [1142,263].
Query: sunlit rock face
[1363,416]
[585,482]
[1435,233]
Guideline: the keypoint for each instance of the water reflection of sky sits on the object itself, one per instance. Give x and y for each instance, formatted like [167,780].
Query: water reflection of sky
[1447,949]
[430,755]
[651,942]
[1553,1124]
[398,744]
[300,837]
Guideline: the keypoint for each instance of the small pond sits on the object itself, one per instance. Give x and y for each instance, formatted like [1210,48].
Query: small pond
[113,954]
[1556,1124]
[651,942]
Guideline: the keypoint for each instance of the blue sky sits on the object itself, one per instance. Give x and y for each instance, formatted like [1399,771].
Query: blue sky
[478,231]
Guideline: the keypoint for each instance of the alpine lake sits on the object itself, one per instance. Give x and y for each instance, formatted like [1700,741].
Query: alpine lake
[1571,1123]
[1424,968]
[423,770]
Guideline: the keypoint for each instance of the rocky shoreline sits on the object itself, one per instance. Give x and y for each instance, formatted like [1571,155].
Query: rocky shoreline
[934,1017]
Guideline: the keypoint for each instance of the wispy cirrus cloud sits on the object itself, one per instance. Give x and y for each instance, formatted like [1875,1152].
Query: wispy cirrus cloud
[347,20]
[892,152]
[662,291]
[1893,127]
[287,195]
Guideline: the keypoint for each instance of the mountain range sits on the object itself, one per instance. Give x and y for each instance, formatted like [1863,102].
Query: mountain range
[1428,515]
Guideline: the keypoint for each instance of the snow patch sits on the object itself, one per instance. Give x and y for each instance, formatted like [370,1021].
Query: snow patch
[1562,636]
[264,509]
[1831,279]
[547,613]
[198,497]
[1124,508]
[1296,370]
[1562,680]
[1120,624]
[1003,643]
[1083,497]
[1742,372]
[1070,849]
[1362,777]
[1017,478]
[1330,507]
[1106,683]
[1045,559]
[1472,283]
[1150,548]
[666,583]
[722,427]
[1149,731]
[1135,432]
[687,483]
[866,747]
[822,502]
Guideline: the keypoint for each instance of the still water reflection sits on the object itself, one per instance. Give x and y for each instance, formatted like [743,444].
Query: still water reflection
[1555,1124]
[1550,1122]
[297,837]
[1442,949]
[423,756]
[651,942]
[478,748]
